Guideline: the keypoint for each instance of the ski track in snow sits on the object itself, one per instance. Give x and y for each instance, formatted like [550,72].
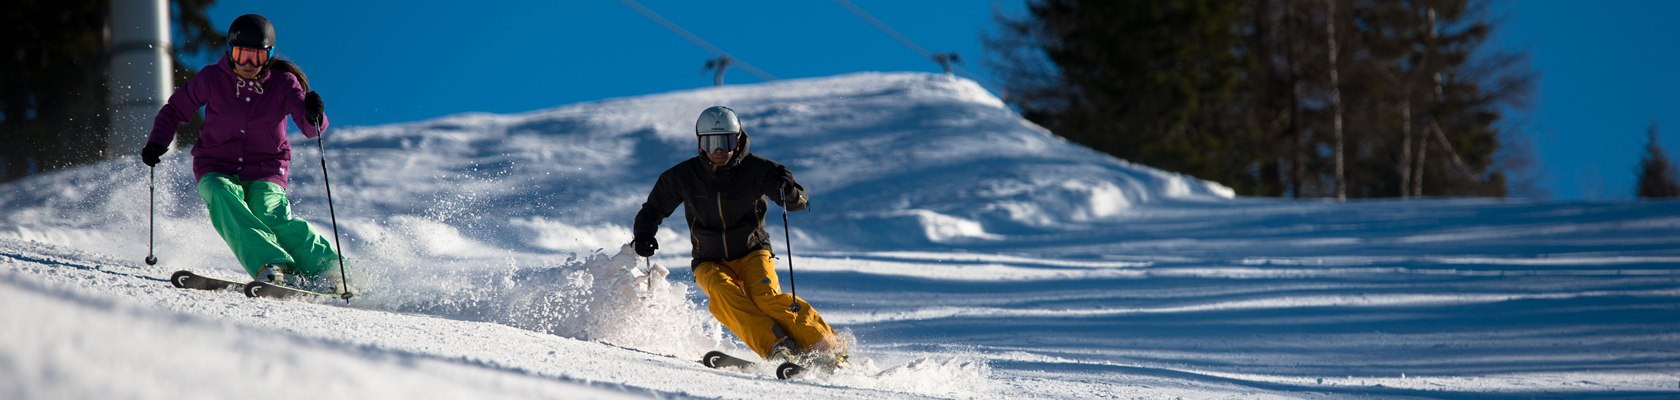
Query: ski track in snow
[966,254]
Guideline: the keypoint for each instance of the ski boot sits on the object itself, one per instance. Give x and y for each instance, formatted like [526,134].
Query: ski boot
[838,361]
[788,361]
[280,274]
[783,351]
[272,273]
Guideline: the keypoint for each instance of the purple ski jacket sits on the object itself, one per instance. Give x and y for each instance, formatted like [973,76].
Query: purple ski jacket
[244,133]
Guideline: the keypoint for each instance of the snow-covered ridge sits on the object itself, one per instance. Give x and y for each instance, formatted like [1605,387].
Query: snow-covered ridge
[927,154]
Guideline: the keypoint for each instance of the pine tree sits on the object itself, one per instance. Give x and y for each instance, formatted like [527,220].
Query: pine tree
[1137,79]
[1657,179]
[1249,93]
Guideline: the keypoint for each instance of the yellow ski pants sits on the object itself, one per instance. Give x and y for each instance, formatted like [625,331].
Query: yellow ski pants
[747,298]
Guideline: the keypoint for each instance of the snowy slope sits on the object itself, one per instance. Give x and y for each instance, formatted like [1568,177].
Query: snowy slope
[968,254]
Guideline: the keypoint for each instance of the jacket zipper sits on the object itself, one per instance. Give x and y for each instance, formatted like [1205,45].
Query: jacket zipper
[725,221]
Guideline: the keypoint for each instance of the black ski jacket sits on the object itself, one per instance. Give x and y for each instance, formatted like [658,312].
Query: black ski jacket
[725,209]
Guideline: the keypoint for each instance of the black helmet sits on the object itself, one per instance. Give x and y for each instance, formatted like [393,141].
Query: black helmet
[252,31]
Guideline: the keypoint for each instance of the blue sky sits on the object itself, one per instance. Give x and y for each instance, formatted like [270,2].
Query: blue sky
[1607,69]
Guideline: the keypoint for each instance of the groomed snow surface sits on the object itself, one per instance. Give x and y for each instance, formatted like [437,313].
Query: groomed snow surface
[964,252]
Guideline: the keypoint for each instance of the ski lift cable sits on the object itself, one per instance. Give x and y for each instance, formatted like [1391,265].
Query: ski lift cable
[697,40]
[882,26]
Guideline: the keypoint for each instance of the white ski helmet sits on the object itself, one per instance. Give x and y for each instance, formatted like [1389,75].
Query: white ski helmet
[718,128]
[717,120]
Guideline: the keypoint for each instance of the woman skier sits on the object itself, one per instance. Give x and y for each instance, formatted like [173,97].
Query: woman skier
[242,154]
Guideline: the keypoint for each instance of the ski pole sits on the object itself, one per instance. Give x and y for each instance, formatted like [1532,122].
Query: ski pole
[326,180]
[649,276]
[788,237]
[151,230]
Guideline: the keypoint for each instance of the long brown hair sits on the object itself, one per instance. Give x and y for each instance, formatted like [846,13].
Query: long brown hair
[283,65]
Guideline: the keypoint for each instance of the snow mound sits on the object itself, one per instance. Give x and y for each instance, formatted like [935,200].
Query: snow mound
[608,298]
[868,146]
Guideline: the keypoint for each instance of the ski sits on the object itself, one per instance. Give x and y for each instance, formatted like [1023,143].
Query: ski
[717,359]
[273,291]
[788,370]
[188,280]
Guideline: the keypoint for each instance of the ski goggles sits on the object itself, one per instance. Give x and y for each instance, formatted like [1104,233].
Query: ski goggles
[727,142]
[249,56]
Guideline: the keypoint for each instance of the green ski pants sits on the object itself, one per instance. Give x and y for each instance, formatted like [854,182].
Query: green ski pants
[255,219]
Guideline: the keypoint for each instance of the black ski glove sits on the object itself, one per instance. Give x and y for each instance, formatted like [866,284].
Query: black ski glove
[790,191]
[793,198]
[645,246]
[152,154]
[313,108]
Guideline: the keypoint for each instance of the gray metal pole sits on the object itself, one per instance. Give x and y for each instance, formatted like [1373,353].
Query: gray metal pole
[141,74]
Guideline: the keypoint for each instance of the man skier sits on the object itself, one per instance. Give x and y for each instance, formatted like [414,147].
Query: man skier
[724,190]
